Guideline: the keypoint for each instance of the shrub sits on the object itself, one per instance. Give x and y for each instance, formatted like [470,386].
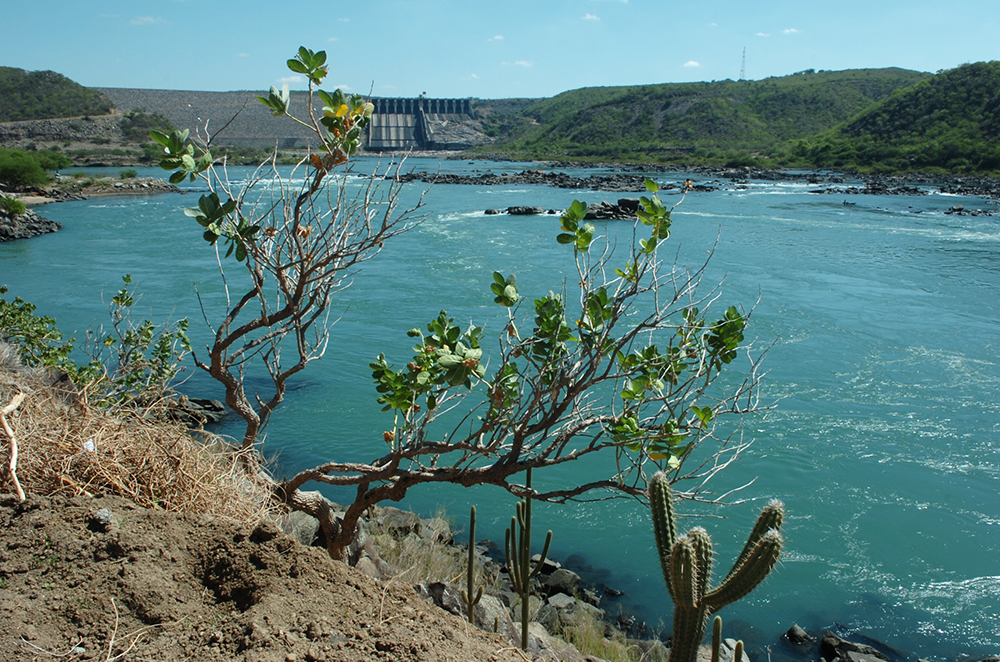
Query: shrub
[21,170]
[11,206]
[128,173]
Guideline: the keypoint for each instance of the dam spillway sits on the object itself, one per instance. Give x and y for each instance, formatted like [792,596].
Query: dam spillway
[422,124]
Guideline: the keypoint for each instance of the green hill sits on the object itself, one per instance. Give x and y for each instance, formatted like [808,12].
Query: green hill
[697,121]
[36,95]
[949,122]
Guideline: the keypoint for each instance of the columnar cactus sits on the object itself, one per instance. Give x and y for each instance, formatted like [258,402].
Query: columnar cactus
[687,567]
[470,602]
[519,557]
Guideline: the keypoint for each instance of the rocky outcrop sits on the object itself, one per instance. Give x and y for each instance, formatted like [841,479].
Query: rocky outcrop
[23,226]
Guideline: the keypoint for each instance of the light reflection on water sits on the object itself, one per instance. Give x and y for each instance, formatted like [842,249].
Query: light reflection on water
[884,445]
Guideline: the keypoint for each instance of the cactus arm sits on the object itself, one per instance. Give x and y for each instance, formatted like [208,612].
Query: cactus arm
[541,559]
[661,502]
[738,653]
[771,517]
[703,557]
[470,602]
[749,574]
[683,568]
[716,638]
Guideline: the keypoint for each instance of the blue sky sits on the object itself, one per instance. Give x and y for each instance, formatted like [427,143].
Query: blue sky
[472,48]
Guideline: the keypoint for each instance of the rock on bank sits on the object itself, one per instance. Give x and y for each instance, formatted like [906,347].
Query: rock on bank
[23,226]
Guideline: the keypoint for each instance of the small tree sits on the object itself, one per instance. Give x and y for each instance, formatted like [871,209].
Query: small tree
[631,378]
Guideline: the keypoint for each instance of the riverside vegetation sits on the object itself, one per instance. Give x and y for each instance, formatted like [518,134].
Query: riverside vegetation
[561,390]
[869,120]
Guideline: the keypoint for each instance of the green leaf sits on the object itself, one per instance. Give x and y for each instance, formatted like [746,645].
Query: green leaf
[298,67]
[566,238]
[652,186]
[178,177]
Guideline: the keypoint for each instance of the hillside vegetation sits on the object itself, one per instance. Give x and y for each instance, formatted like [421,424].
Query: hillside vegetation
[34,95]
[947,123]
[697,121]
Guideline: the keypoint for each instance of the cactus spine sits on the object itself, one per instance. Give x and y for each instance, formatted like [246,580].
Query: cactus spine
[470,602]
[519,557]
[687,567]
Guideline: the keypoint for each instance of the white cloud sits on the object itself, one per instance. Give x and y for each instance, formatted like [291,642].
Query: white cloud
[333,39]
[242,55]
[692,63]
[498,37]
[474,76]
[292,80]
[147,20]
[713,25]
[522,63]
[590,17]
[763,34]
[344,20]
[790,31]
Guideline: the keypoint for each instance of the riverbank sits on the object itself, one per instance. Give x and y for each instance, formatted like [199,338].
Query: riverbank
[728,179]
[64,189]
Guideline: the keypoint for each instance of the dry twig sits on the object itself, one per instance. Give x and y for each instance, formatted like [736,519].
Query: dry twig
[12,441]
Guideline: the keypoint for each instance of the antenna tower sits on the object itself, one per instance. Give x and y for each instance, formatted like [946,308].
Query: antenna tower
[743,64]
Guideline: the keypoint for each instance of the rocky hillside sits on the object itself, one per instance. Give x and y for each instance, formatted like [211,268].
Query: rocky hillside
[32,95]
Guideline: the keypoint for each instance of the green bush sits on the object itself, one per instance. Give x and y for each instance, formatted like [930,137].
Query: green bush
[128,173]
[21,170]
[11,206]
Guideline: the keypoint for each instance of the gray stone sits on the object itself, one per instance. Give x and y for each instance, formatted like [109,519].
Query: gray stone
[524,211]
[400,522]
[832,647]
[797,635]
[561,600]
[437,529]
[548,567]
[102,520]
[562,581]
[302,527]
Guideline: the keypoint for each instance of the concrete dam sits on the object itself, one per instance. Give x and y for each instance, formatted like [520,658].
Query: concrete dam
[423,124]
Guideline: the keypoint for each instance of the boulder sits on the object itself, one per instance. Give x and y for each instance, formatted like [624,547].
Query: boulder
[561,581]
[302,527]
[832,647]
[26,225]
[400,522]
[525,211]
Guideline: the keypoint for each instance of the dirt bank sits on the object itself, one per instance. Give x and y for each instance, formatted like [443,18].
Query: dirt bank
[104,579]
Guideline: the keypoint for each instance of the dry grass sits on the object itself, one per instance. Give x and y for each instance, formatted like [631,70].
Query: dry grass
[70,448]
[424,560]
[588,637]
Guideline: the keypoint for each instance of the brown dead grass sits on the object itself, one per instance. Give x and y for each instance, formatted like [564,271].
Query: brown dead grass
[67,447]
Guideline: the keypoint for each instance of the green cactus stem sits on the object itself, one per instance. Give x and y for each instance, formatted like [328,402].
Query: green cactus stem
[518,550]
[687,568]
[716,638]
[470,602]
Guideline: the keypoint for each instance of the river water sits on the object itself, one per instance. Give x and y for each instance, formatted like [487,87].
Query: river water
[882,322]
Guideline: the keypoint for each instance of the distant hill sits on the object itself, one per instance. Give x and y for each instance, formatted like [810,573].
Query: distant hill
[37,95]
[949,122]
[250,123]
[680,121]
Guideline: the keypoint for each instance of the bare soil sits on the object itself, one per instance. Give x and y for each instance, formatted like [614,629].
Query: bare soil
[103,579]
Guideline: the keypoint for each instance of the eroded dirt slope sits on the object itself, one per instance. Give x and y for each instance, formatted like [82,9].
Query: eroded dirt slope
[103,579]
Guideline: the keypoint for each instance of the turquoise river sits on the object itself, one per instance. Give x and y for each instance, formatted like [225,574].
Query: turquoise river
[883,322]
